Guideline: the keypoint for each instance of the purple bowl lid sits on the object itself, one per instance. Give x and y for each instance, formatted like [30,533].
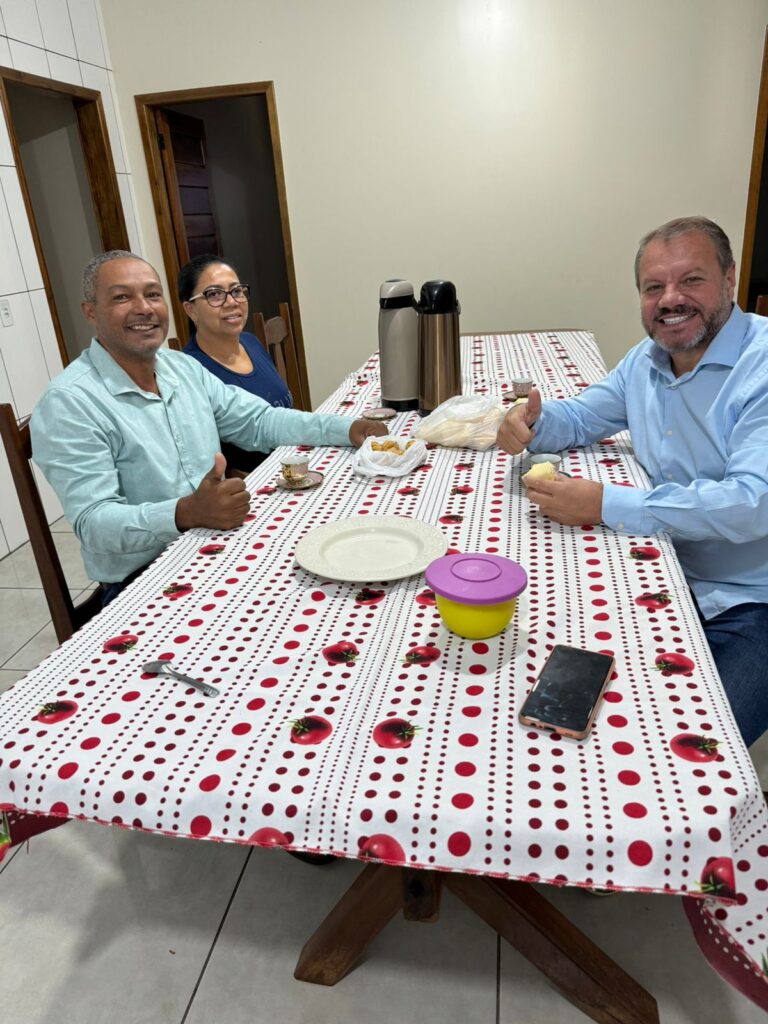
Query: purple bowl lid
[476,579]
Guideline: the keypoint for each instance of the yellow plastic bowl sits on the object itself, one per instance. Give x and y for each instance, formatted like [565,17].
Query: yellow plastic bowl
[475,621]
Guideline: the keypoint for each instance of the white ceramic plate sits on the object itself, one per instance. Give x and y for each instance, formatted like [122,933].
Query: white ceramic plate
[370,549]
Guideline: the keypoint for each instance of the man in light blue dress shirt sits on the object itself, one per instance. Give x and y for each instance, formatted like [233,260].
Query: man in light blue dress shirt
[694,395]
[128,435]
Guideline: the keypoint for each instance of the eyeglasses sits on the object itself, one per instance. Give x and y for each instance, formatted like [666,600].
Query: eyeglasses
[218,296]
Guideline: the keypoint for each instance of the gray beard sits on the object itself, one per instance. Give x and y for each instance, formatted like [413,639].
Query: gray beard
[704,336]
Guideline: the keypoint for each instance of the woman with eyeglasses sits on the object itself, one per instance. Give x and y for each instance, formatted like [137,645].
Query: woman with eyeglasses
[216,303]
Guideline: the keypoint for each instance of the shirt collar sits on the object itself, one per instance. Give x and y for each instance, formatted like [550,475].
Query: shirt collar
[117,381]
[724,349]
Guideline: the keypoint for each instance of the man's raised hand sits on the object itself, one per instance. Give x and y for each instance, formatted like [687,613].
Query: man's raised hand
[515,432]
[217,504]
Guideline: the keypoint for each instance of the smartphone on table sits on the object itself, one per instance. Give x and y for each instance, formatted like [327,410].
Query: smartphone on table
[567,692]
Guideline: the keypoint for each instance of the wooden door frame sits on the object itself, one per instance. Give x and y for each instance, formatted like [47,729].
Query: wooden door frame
[145,108]
[755,178]
[100,167]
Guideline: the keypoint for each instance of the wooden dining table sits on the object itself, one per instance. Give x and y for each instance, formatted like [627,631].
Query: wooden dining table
[351,722]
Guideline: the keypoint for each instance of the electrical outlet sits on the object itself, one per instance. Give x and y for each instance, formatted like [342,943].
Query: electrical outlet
[6,317]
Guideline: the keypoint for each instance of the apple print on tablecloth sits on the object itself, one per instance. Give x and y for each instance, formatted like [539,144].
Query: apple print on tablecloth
[653,602]
[691,747]
[450,518]
[382,847]
[426,599]
[266,489]
[672,664]
[269,837]
[718,878]
[369,596]
[341,653]
[55,711]
[644,553]
[421,655]
[210,549]
[394,733]
[176,590]
[408,490]
[310,729]
[462,489]
[119,644]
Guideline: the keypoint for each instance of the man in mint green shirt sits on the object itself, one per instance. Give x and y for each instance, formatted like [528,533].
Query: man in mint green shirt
[128,435]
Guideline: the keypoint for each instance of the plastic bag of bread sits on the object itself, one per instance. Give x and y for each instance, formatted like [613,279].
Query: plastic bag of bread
[389,456]
[464,421]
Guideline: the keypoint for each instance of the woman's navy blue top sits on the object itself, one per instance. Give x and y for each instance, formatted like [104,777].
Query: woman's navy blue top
[263,381]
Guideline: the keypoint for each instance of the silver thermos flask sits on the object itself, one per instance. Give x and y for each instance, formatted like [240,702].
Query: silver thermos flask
[398,345]
[439,353]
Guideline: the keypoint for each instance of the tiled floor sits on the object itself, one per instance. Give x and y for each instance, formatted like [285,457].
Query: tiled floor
[104,926]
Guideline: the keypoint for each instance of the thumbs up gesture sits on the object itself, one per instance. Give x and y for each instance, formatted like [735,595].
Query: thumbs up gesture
[515,432]
[217,504]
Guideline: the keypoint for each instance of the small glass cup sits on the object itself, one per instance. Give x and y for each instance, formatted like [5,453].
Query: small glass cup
[522,383]
[294,468]
[552,457]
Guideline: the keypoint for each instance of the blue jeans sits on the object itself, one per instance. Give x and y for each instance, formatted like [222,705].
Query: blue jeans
[109,591]
[738,639]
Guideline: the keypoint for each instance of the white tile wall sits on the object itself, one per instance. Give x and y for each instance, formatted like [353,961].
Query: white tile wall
[64,69]
[21,21]
[87,30]
[29,58]
[61,39]
[56,26]
[22,355]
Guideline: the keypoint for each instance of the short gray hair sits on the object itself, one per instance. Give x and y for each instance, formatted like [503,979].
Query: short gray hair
[92,267]
[684,226]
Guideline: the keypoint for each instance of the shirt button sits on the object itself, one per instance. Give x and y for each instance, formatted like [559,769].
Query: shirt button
[619,526]
[669,433]
[669,476]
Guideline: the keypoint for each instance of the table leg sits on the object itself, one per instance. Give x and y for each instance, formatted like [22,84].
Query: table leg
[421,895]
[581,971]
[366,907]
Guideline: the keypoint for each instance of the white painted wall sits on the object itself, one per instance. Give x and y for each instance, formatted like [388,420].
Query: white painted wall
[518,147]
[63,40]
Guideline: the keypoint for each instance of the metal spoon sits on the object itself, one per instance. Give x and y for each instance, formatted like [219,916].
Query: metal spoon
[162,668]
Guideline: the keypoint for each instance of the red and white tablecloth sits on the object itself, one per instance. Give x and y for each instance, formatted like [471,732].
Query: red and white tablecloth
[350,721]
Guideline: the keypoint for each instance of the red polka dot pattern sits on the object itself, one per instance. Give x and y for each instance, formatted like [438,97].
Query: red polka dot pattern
[350,721]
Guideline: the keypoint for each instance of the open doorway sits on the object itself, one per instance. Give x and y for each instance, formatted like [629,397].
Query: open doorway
[216,175]
[753,275]
[67,177]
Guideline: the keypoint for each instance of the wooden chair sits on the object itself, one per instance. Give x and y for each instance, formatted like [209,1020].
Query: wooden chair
[175,344]
[761,306]
[18,447]
[276,335]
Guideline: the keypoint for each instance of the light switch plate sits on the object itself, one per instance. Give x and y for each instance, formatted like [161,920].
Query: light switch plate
[6,317]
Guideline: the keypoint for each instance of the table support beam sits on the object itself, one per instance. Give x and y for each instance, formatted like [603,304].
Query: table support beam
[366,907]
[578,968]
[421,895]
[581,972]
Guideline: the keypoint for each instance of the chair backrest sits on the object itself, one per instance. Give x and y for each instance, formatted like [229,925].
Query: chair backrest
[175,344]
[18,447]
[276,335]
[761,306]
